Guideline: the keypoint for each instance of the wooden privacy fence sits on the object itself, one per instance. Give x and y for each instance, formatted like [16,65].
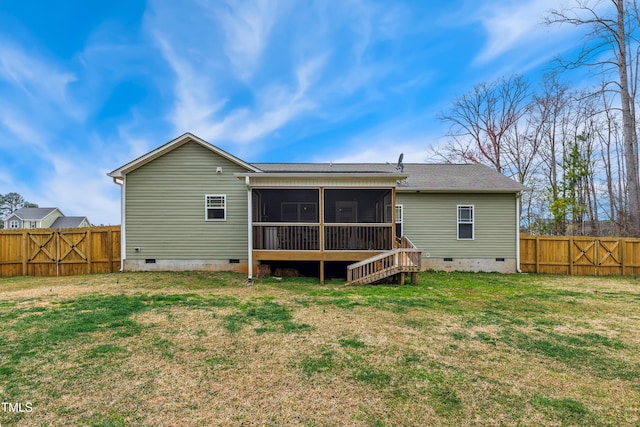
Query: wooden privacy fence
[59,252]
[591,256]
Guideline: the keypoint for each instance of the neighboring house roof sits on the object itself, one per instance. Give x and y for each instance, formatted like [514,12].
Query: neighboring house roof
[172,145]
[33,214]
[419,176]
[69,222]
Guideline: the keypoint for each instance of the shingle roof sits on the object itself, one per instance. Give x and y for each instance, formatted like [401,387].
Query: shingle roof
[452,177]
[33,214]
[68,222]
[421,176]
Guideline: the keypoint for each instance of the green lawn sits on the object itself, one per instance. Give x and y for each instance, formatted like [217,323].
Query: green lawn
[199,349]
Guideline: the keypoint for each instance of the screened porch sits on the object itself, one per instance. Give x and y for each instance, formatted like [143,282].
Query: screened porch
[322,219]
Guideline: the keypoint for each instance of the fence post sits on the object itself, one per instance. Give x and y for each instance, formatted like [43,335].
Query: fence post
[536,252]
[57,242]
[621,252]
[571,244]
[25,253]
[89,238]
[110,249]
[596,256]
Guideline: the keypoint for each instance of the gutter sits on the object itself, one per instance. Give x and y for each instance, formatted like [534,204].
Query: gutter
[518,196]
[455,190]
[249,232]
[123,234]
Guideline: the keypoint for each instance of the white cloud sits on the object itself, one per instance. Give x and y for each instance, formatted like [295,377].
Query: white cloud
[194,93]
[201,103]
[79,188]
[40,83]
[22,128]
[247,26]
[513,25]
[277,105]
[384,143]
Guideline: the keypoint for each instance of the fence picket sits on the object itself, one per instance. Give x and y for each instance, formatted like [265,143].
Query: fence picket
[101,250]
[579,255]
[60,252]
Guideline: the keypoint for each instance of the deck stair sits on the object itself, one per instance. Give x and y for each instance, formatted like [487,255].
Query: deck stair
[404,258]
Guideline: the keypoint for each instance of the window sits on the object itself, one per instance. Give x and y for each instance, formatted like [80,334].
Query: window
[14,223]
[399,220]
[465,222]
[216,207]
[33,224]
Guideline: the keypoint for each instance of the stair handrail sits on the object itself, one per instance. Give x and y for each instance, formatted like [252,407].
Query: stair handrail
[410,262]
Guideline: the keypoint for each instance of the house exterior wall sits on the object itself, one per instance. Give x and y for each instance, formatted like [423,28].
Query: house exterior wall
[165,213]
[48,220]
[12,218]
[430,222]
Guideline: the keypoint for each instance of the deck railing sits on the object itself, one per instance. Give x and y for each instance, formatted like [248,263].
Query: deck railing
[289,237]
[337,237]
[359,237]
[404,243]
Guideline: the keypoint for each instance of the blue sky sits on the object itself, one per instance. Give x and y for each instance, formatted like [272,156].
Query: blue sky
[86,87]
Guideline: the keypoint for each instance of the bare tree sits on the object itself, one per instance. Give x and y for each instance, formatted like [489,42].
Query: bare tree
[480,120]
[609,136]
[611,47]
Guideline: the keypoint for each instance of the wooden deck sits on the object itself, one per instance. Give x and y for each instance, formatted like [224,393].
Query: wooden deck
[377,253]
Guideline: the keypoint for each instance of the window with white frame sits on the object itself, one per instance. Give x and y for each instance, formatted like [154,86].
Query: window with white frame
[399,220]
[14,223]
[216,207]
[465,222]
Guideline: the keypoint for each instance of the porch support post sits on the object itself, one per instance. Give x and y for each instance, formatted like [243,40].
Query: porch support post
[249,232]
[321,233]
[393,217]
[321,217]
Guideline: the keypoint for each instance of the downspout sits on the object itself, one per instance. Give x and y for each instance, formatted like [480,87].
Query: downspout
[518,196]
[249,232]
[123,234]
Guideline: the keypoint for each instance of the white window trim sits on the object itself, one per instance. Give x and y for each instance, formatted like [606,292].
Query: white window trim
[206,207]
[472,222]
[400,218]
[14,224]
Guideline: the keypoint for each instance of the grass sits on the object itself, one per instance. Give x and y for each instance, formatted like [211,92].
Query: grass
[204,349]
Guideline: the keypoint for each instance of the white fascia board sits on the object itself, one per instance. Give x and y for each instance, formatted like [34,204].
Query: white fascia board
[170,146]
[460,190]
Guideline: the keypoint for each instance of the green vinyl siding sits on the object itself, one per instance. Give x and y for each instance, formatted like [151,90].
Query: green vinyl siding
[165,207]
[430,222]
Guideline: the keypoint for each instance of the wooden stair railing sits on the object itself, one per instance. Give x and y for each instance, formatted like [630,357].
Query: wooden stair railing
[405,258]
